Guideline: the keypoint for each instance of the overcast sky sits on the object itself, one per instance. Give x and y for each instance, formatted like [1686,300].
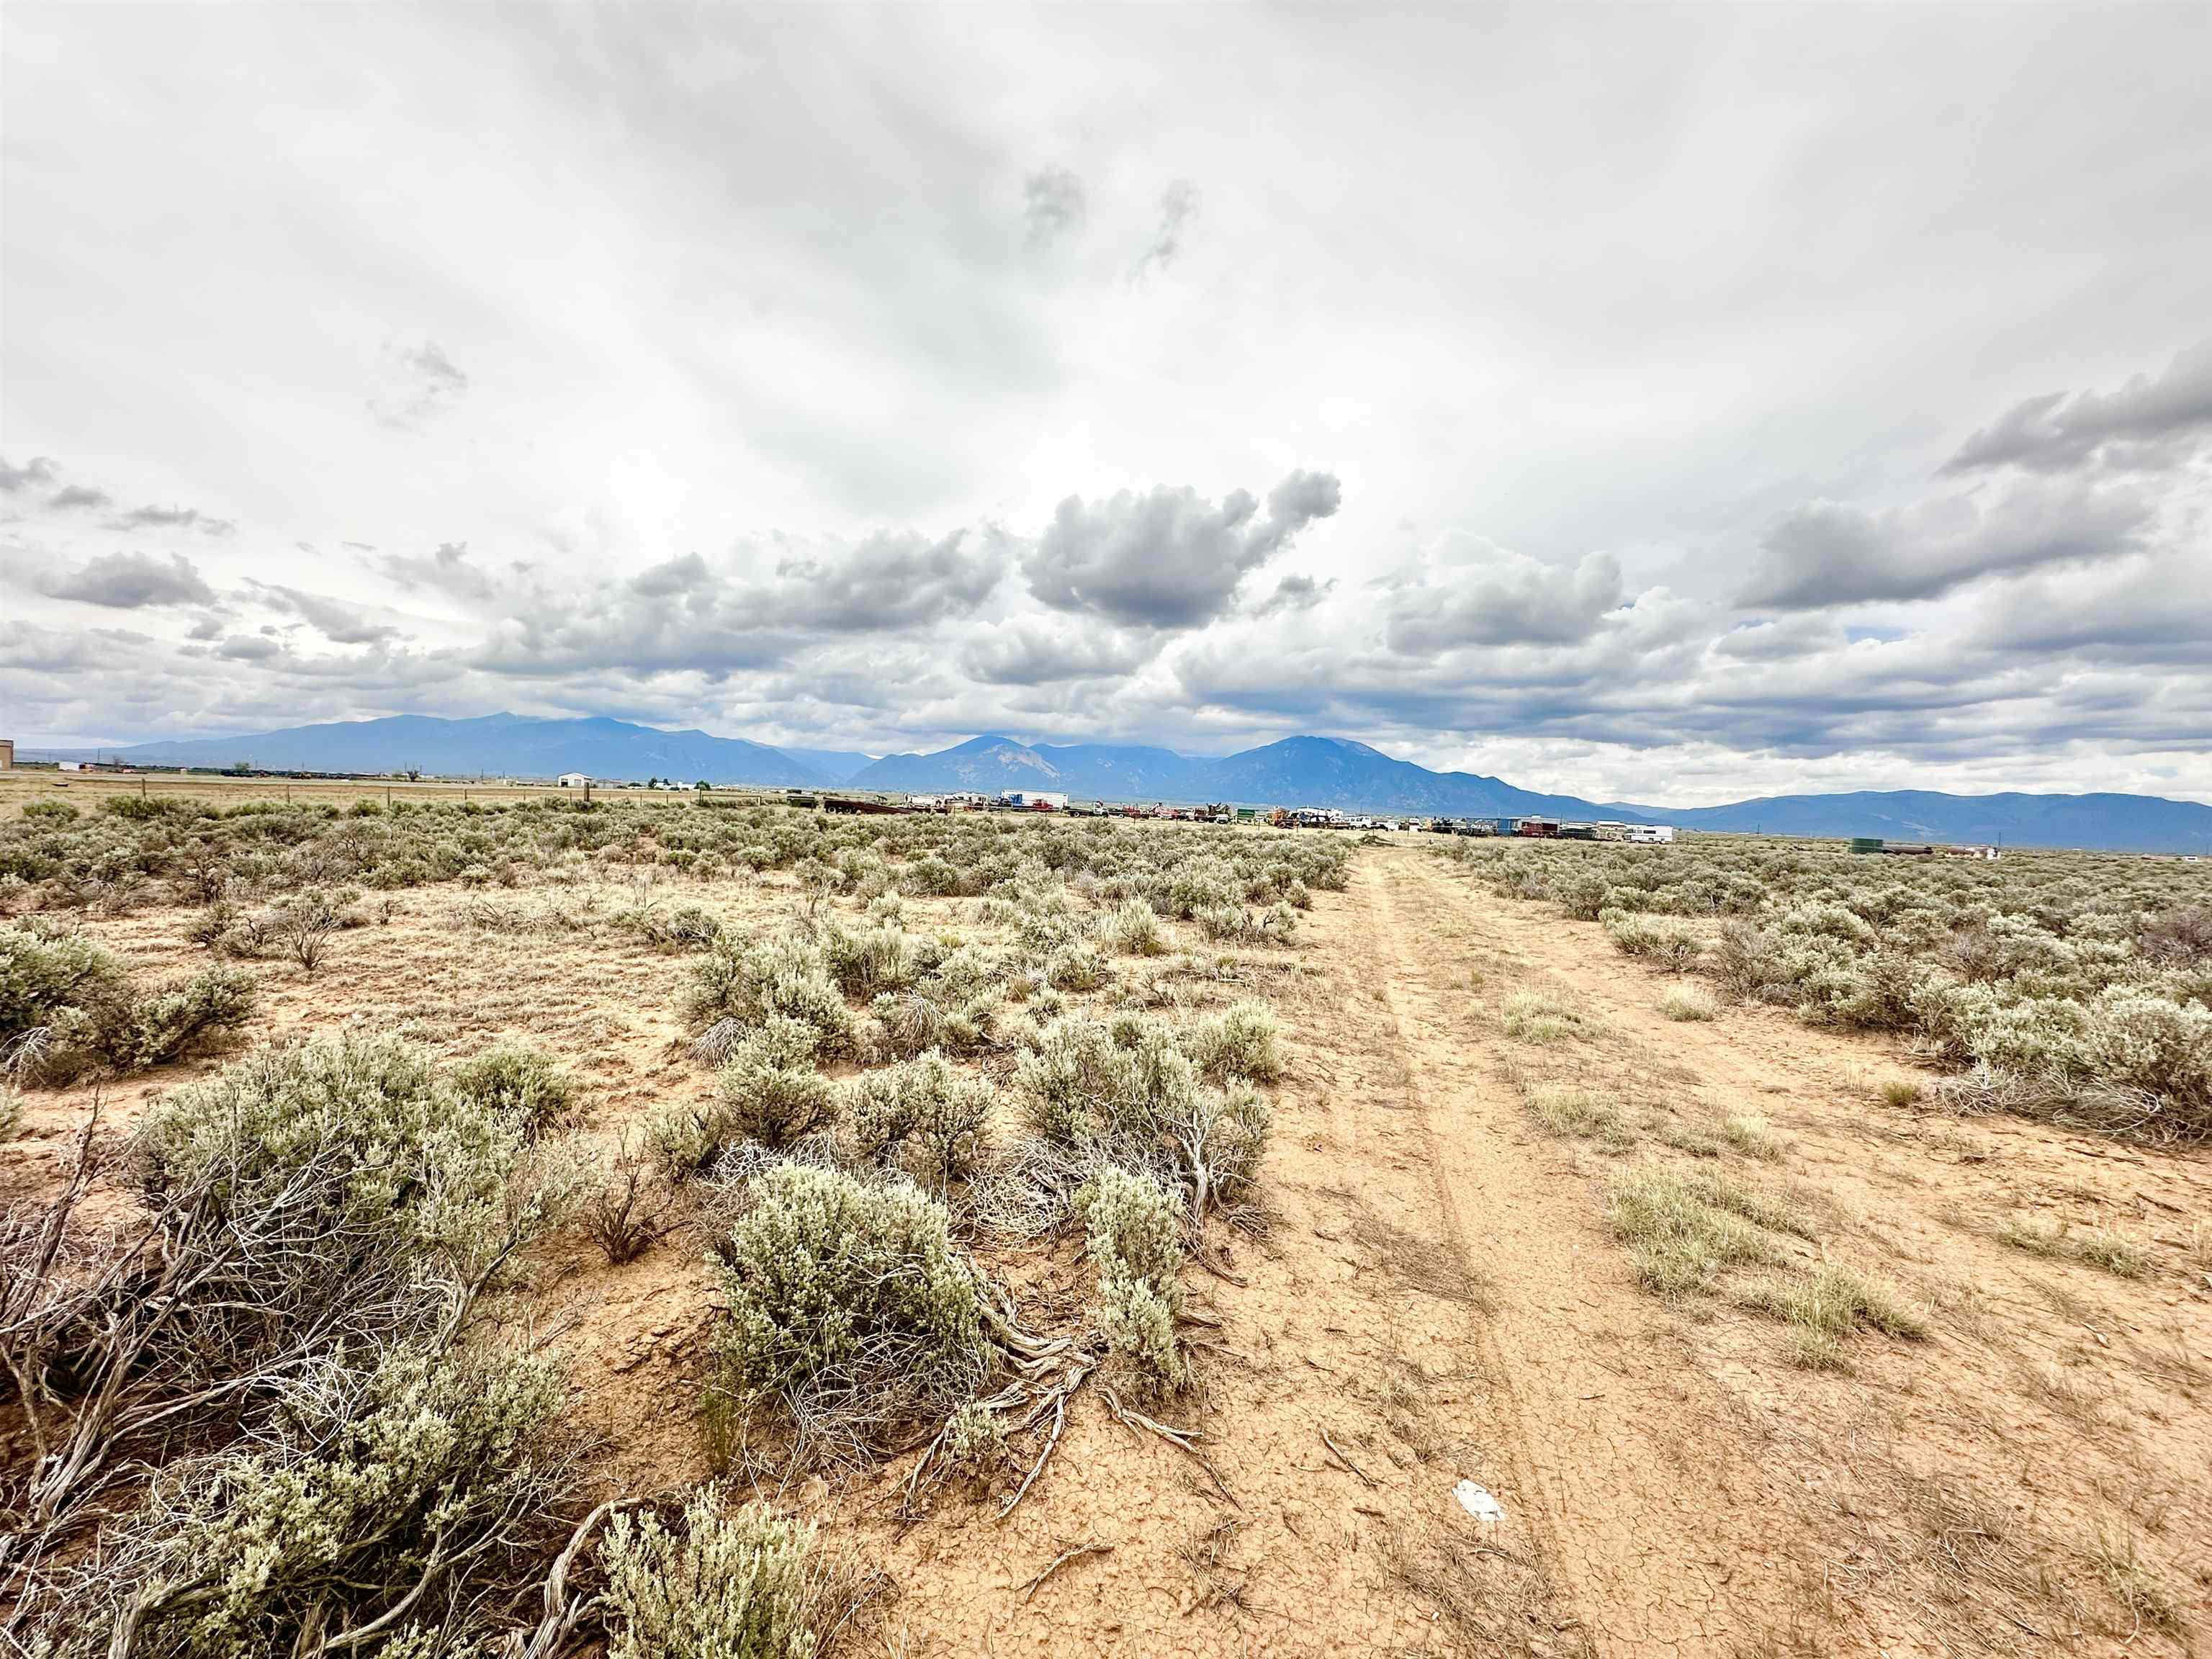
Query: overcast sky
[1672,404]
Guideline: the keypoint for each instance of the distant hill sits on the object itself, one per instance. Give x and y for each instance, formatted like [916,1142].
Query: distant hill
[497,745]
[1102,771]
[2129,824]
[1307,771]
[830,765]
[1297,771]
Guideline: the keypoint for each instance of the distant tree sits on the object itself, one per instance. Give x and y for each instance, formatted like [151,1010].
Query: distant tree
[241,768]
[702,784]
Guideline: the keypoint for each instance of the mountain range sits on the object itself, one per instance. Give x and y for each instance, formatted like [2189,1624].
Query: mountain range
[1303,771]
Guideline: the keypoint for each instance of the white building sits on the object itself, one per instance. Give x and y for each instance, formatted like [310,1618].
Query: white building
[574,780]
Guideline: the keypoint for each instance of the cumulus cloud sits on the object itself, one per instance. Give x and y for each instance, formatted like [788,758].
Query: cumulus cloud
[1178,203]
[1039,653]
[420,383]
[36,471]
[691,614]
[131,581]
[1170,558]
[1828,553]
[2149,422]
[1053,203]
[890,579]
[1484,595]
[80,496]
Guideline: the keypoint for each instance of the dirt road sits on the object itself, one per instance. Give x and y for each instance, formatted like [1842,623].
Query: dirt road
[2029,1478]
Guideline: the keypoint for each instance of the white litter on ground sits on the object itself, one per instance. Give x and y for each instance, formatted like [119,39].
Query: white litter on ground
[1478,1502]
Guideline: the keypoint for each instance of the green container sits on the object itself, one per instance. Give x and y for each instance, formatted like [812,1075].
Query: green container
[1866,843]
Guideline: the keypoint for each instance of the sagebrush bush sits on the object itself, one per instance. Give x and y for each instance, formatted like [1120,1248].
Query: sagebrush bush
[872,961]
[1134,1228]
[2072,986]
[1123,1091]
[408,1157]
[1243,1041]
[726,1583]
[68,1010]
[1075,966]
[743,981]
[1134,929]
[849,1312]
[770,1090]
[923,1115]
[429,1469]
[519,1085]
[1686,1002]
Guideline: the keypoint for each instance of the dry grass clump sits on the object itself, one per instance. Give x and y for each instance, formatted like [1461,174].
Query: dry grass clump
[2137,1588]
[1686,1232]
[1683,1232]
[1583,1113]
[1751,1135]
[2095,1246]
[1543,1019]
[1825,1306]
[1668,943]
[1686,1002]
[1899,1092]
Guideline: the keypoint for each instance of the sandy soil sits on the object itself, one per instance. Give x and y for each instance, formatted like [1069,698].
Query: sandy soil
[1437,1300]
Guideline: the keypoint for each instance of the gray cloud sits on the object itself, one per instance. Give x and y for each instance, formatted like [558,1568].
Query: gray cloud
[1826,553]
[1032,653]
[1294,593]
[2149,422]
[1178,203]
[689,614]
[421,383]
[1508,599]
[80,496]
[1053,205]
[130,582]
[446,570]
[171,518]
[1169,558]
[335,620]
[891,579]
[36,471]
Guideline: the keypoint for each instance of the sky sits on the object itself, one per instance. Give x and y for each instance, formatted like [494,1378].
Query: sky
[1655,402]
